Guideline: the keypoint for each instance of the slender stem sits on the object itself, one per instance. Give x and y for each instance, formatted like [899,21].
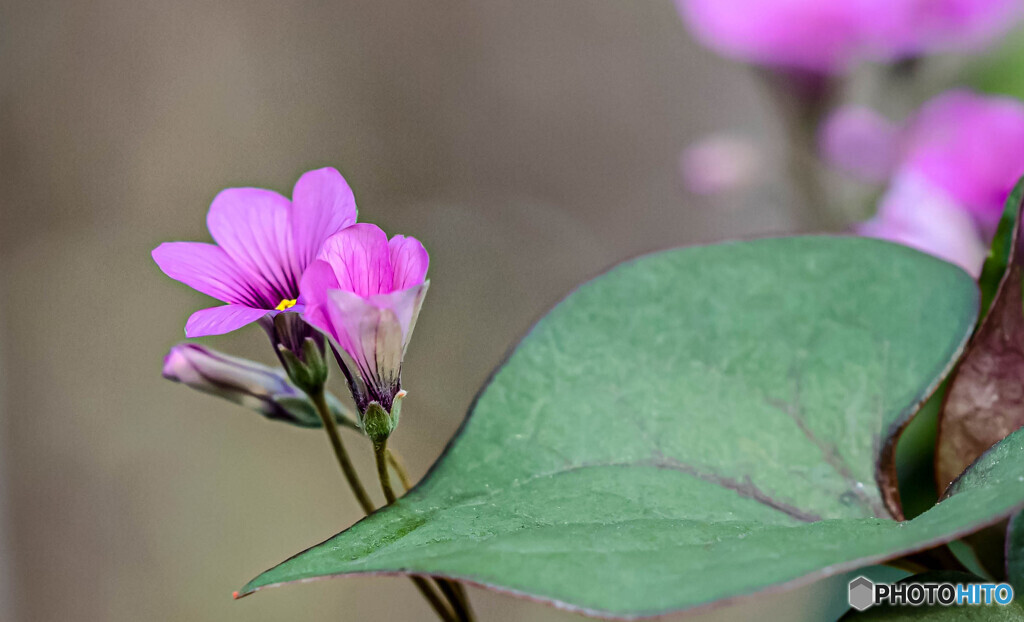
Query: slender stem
[454,592]
[364,499]
[347,468]
[451,592]
[460,596]
[801,102]
[396,464]
[435,601]
[380,452]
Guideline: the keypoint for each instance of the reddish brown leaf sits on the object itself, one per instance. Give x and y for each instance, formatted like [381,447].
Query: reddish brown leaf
[985,400]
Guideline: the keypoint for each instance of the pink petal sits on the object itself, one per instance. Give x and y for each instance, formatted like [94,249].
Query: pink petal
[861,142]
[357,323]
[205,268]
[919,215]
[316,281]
[720,163]
[971,146]
[409,261]
[815,35]
[220,320]
[361,259]
[322,205]
[405,305]
[251,225]
[915,28]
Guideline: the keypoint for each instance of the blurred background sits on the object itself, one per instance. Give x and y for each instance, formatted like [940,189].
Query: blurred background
[528,145]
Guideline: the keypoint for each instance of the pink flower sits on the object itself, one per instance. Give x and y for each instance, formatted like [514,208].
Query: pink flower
[264,244]
[860,142]
[969,147]
[917,214]
[917,27]
[828,36]
[812,35]
[721,163]
[365,292]
[972,147]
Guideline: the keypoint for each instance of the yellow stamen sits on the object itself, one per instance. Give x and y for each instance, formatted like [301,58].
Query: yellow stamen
[285,304]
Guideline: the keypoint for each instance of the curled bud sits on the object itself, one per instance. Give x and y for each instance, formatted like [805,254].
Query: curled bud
[260,388]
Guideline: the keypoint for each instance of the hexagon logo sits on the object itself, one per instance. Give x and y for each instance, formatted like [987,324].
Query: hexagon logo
[862,593]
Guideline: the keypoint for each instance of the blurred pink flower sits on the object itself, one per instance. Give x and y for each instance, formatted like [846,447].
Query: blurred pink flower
[917,214]
[264,243]
[812,35]
[720,163]
[972,147]
[365,292]
[919,27]
[968,146]
[827,36]
[860,142]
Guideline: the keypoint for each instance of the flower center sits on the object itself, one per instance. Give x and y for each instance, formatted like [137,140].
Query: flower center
[285,304]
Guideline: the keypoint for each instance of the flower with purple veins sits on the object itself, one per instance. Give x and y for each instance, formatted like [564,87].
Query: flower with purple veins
[365,292]
[264,243]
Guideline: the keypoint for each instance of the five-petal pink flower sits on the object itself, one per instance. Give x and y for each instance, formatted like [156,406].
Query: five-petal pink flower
[264,243]
[365,292]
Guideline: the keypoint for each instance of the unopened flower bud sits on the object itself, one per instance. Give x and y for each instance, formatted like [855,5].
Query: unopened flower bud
[378,423]
[308,371]
[257,387]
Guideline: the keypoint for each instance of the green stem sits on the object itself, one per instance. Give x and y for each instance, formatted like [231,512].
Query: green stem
[452,591]
[399,468]
[435,601]
[801,103]
[380,452]
[349,470]
[457,597]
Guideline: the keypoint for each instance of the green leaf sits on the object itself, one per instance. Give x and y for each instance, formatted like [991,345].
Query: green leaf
[1012,612]
[984,401]
[1001,249]
[693,426]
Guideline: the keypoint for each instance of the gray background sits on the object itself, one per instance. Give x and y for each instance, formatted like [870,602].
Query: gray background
[528,144]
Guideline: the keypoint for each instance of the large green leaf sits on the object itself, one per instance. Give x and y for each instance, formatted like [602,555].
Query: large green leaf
[692,426]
